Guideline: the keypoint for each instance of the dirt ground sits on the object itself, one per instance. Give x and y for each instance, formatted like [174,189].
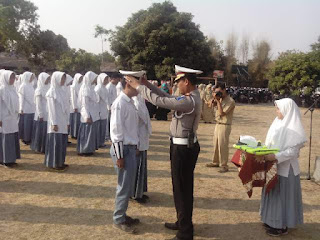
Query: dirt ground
[78,204]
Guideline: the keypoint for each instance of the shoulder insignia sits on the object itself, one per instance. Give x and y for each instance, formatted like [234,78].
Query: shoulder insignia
[181,98]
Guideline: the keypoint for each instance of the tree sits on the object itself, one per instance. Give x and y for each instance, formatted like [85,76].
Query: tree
[79,61]
[17,18]
[244,49]
[230,50]
[43,48]
[260,63]
[102,33]
[217,53]
[294,71]
[159,37]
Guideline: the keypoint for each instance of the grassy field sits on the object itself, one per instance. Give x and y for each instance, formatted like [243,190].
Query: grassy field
[78,204]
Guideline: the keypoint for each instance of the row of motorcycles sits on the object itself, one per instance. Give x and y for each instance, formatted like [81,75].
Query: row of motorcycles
[250,95]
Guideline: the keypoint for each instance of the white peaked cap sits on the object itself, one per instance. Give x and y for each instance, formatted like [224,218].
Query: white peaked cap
[179,69]
[134,74]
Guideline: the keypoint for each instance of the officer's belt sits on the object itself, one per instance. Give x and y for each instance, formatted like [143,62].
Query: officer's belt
[182,141]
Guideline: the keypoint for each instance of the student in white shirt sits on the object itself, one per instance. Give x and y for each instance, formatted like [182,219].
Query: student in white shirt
[75,116]
[67,89]
[145,131]
[102,93]
[58,116]
[39,132]
[281,208]
[125,139]
[119,88]
[89,109]
[112,95]
[26,107]
[9,109]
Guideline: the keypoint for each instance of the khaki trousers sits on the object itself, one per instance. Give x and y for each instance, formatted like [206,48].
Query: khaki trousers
[221,145]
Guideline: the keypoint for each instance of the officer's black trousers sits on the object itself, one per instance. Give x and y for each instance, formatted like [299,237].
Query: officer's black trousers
[183,162]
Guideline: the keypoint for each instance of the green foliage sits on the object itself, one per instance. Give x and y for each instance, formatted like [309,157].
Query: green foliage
[17,18]
[79,61]
[159,37]
[293,72]
[43,48]
[107,57]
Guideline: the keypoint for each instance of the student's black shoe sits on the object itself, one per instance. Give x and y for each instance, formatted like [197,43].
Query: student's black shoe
[58,169]
[145,197]
[172,226]
[10,165]
[266,226]
[141,200]
[132,221]
[275,232]
[66,165]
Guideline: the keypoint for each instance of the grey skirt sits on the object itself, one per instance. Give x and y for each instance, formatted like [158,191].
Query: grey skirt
[103,130]
[39,136]
[282,206]
[74,124]
[140,185]
[87,138]
[10,148]
[25,126]
[98,134]
[108,127]
[56,150]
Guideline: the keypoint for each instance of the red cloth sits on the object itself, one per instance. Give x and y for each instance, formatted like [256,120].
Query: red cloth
[255,172]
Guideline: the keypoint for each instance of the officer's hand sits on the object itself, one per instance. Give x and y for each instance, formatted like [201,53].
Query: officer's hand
[120,163]
[144,80]
[133,82]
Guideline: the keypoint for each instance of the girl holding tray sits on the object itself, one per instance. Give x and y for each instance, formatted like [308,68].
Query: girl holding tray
[281,208]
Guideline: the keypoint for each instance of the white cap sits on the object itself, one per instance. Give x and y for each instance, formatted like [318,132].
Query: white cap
[181,71]
[137,74]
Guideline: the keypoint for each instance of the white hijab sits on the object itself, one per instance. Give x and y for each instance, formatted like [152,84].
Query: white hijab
[101,89]
[8,93]
[26,88]
[87,89]
[289,131]
[42,88]
[56,91]
[75,84]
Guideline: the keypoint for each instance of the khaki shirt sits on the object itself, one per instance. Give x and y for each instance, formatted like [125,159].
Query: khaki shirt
[187,109]
[228,105]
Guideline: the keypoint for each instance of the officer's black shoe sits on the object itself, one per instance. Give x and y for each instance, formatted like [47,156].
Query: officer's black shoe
[172,226]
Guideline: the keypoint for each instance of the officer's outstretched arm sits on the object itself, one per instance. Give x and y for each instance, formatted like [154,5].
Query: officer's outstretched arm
[181,104]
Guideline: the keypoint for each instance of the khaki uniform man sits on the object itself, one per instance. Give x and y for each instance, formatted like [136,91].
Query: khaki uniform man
[225,107]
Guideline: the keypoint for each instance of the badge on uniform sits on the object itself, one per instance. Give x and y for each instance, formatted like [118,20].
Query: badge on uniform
[180,97]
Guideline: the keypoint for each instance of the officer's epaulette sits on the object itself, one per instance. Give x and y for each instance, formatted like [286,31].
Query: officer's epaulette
[181,97]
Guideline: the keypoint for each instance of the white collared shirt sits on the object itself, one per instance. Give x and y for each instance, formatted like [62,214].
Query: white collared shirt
[56,116]
[124,121]
[41,108]
[144,123]
[9,120]
[112,93]
[89,109]
[287,158]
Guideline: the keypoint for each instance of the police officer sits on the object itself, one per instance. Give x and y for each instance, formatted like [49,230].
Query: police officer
[184,147]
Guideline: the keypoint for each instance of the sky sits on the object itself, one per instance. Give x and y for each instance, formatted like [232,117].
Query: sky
[286,24]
